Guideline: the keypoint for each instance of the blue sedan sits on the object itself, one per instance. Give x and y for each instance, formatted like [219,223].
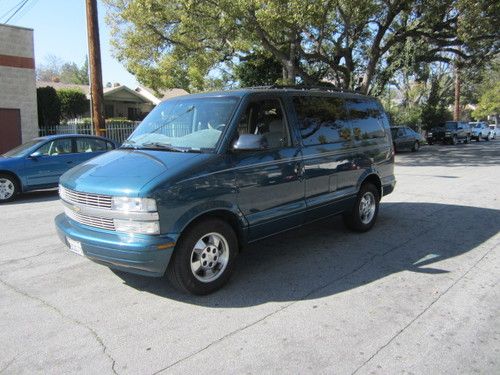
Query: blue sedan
[38,164]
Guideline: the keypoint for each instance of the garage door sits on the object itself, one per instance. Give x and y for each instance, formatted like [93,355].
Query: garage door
[10,129]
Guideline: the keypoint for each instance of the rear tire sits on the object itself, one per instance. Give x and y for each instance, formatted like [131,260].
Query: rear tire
[203,258]
[9,188]
[363,214]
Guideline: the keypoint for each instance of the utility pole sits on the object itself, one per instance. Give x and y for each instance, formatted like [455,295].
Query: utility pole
[96,93]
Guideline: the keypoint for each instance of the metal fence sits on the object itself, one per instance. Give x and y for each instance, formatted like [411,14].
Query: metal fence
[117,131]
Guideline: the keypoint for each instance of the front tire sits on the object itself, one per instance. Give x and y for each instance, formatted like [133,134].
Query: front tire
[454,140]
[203,258]
[416,147]
[9,188]
[363,214]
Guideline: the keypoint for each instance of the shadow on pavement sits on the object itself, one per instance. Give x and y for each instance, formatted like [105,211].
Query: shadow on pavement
[324,258]
[461,155]
[35,197]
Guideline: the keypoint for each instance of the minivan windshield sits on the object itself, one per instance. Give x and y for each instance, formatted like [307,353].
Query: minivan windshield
[184,125]
[21,149]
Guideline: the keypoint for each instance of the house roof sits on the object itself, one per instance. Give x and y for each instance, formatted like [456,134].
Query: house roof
[164,94]
[143,94]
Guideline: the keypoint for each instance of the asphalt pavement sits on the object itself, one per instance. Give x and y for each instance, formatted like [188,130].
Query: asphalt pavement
[417,294]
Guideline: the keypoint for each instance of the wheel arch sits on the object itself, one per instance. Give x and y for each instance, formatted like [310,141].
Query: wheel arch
[373,178]
[236,221]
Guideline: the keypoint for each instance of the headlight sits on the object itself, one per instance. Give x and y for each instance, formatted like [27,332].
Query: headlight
[133,204]
[429,134]
[138,227]
[447,133]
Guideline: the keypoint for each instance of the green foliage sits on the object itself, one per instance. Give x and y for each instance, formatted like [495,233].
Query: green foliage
[49,106]
[489,103]
[258,69]
[350,43]
[434,112]
[74,103]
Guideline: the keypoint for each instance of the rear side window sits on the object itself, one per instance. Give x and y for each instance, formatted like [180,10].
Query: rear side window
[322,119]
[366,119]
[90,145]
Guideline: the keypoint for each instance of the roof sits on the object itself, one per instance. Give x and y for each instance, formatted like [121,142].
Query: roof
[164,94]
[240,92]
[85,89]
[143,93]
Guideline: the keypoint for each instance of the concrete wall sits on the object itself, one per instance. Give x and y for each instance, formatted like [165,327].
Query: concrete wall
[17,76]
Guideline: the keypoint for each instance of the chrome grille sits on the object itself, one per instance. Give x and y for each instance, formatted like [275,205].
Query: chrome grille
[86,199]
[97,222]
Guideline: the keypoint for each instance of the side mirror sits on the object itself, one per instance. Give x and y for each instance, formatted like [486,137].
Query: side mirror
[35,155]
[250,142]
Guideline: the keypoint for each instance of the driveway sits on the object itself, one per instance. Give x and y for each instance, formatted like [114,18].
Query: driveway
[417,294]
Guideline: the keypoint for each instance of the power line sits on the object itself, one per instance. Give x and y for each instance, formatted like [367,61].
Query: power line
[11,9]
[17,10]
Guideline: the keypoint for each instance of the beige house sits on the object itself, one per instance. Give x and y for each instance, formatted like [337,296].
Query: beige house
[18,110]
[120,100]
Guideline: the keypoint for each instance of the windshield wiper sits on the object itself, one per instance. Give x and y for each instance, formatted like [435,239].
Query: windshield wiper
[168,147]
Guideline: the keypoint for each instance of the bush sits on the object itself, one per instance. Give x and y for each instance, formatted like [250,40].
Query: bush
[49,106]
[74,103]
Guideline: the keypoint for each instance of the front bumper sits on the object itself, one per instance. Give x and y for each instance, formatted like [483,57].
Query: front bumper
[139,254]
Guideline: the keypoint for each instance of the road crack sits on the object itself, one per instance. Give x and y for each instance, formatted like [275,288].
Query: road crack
[77,322]
[410,323]
[282,308]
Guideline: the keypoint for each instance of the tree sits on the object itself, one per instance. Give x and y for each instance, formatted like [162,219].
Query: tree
[73,103]
[49,106]
[56,70]
[489,104]
[434,111]
[353,44]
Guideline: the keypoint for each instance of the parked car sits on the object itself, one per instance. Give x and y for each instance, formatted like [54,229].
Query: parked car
[38,164]
[480,130]
[494,131]
[405,138]
[450,132]
[205,174]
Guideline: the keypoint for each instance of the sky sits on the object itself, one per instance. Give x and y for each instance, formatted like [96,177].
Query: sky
[60,29]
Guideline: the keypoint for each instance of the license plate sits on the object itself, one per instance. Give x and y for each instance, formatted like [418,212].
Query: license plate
[75,246]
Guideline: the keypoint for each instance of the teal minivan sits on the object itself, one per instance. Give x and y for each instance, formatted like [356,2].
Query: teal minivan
[203,175]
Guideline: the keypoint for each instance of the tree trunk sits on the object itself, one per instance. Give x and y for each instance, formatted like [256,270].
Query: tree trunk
[456,109]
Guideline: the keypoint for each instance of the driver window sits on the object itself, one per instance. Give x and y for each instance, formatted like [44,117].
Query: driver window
[56,147]
[401,132]
[266,117]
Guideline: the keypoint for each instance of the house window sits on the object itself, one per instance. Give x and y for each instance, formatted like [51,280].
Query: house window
[133,113]
[109,110]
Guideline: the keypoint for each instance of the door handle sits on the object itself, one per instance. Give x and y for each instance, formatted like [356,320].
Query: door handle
[298,169]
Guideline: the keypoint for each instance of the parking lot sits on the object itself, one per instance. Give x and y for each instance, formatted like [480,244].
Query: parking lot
[417,294]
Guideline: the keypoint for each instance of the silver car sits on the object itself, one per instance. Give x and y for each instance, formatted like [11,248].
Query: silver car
[480,130]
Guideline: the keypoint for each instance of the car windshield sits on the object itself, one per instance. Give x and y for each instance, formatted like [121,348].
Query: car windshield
[451,125]
[478,126]
[184,125]
[21,150]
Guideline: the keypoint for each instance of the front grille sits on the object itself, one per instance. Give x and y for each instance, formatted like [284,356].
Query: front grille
[86,199]
[97,222]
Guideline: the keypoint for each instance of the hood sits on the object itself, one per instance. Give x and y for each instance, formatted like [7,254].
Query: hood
[122,172]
